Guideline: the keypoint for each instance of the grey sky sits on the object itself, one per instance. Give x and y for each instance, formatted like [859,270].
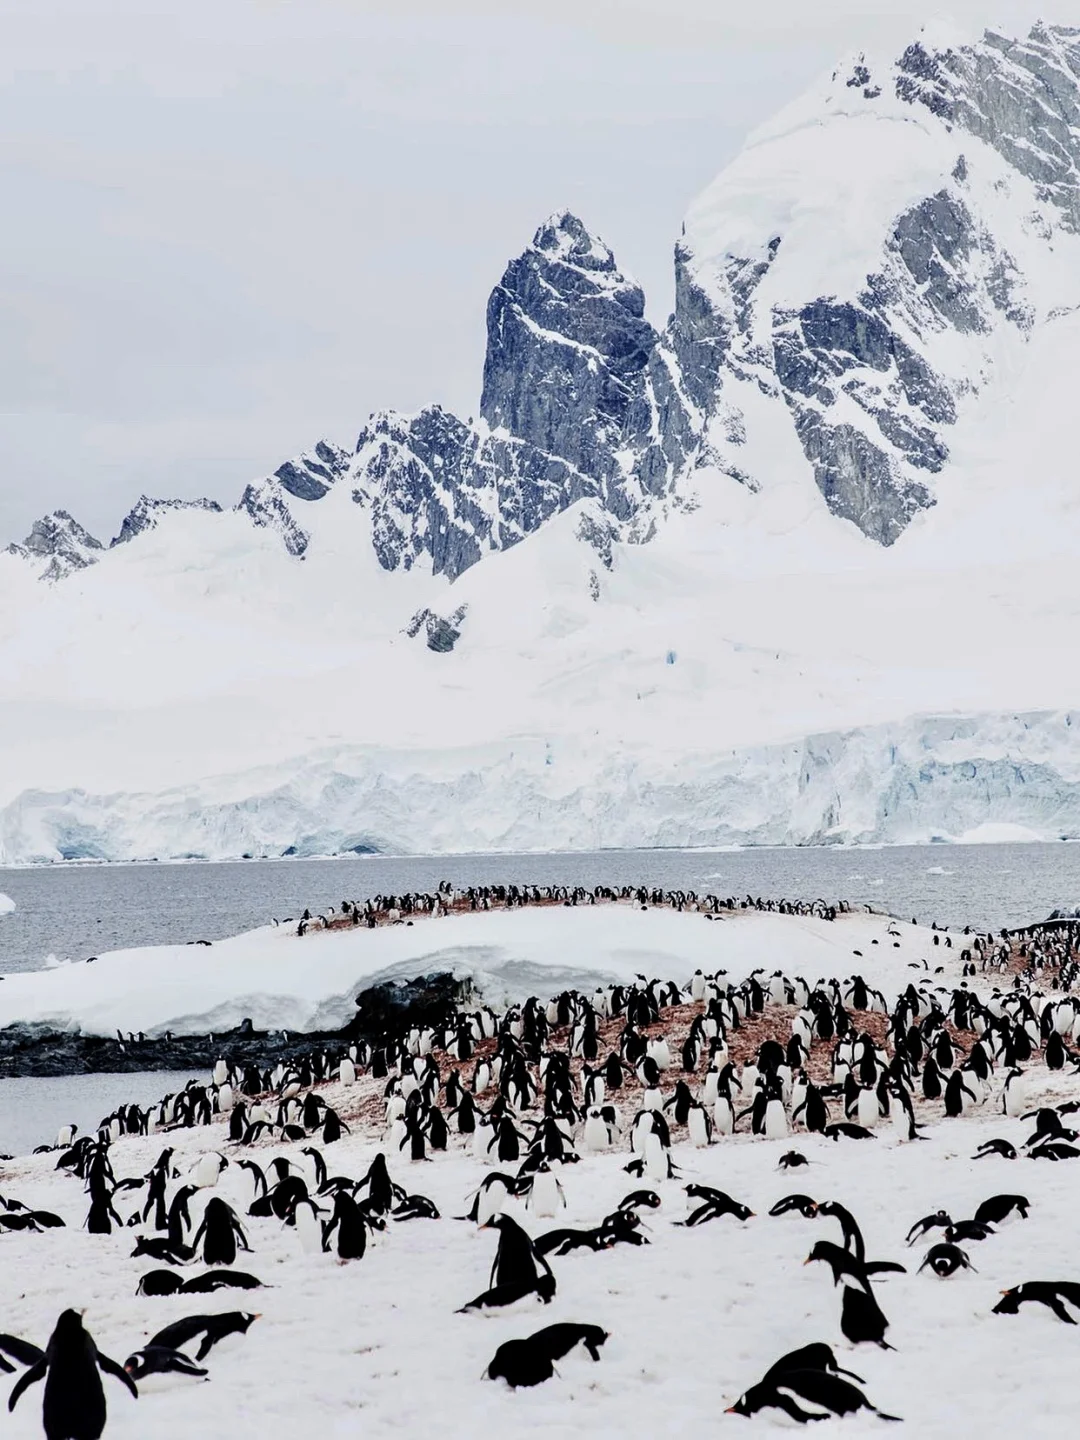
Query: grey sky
[232,227]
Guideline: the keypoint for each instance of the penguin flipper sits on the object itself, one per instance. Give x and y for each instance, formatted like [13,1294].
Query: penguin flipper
[21,1350]
[112,1368]
[30,1377]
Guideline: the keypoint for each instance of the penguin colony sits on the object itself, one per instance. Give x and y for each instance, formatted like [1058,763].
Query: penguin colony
[652,1073]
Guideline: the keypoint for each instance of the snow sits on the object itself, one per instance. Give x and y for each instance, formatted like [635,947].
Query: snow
[7,905]
[694,1318]
[281,980]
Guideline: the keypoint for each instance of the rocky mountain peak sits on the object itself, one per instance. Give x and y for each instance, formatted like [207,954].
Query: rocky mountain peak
[57,546]
[145,514]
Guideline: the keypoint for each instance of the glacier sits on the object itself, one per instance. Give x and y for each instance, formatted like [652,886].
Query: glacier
[796,568]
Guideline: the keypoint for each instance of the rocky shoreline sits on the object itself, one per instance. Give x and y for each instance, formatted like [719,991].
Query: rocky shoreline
[40,1051]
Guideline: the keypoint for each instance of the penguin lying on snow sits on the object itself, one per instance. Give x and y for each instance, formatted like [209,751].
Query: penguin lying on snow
[212,1328]
[71,1365]
[806,1207]
[1051,1293]
[158,1360]
[1004,1148]
[167,1282]
[809,1376]
[715,1203]
[945,1259]
[531,1361]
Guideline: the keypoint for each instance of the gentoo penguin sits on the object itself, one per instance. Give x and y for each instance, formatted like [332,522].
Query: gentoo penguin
[861,1318]
[305,1216]
[349,1225]
[545,1197]
[1003,1148]
[940,1219]
[531,1361]
[208,1169]
[715,1203]
[1000,1207]
[221,1232]
[154,1360]
[806,1378]
[698,1125]
[74,1403]
[211,1329]
[806,1207]
[347,1072]
[595,1136]
[1054,1294]
[945,1259]
[1014,1093]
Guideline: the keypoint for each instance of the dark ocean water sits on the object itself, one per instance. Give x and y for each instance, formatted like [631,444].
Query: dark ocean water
[74,911]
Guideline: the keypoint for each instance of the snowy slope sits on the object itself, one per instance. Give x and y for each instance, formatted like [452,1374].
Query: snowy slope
[798,569]
[279,980]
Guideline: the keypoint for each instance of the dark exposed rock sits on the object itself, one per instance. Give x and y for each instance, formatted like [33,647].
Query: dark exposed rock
[58,545]
[389,1008]
[145,514]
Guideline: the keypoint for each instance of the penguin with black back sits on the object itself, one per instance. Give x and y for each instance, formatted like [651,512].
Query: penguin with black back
[71,1365]
[795,1382]
[861,1318]
[1052,1293]
[945,1259]
[209,1329]
[1004,1149]
[1000,1207]
[715,1204]
[806,1207]
[222,1231]
[531,1361]
[156,1360]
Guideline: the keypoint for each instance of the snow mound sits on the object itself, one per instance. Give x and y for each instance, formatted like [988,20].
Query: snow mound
[7,905]
[280,980]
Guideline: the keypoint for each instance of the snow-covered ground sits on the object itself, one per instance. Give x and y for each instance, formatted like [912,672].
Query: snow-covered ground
[280,980]
[375,1346]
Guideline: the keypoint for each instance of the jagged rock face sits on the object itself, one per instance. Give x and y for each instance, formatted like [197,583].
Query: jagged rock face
[873,379]
[865,375]
[146,513]
[445,493]
[58,546]
[567,344]
[309,477]
[1021,97]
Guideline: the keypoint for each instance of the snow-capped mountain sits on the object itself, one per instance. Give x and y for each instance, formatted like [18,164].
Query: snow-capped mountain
[678,586]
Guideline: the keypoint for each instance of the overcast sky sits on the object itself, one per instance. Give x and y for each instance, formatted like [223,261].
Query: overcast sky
[234,226]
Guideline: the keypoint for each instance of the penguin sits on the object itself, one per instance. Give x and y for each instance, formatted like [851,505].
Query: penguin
[221,1232]
[208,1169]
[71,1365]
[350,1225]
[861,1319]
[1052,1293]
[786,1388]
[940,1219]
[545,1197]
[531,1361]
[156,1360]
[305,1217]
[212,1329]
[1000,1207]
[1002,1148]
[715,1204]
[945,1259]
[806,1207]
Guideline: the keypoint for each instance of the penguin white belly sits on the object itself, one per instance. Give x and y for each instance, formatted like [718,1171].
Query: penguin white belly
[1016,1097]
[656,1162]
[697,1128]
[652,1099]
[491,1201]
[347,1072]
[226,1099]
[207,1170]
[868,1113]
[711,1088]
[544,1197]
[723,1116]
[595,1136]
[776,1121]
[309,1230]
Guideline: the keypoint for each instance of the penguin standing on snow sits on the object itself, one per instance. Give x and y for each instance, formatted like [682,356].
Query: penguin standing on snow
[222,1231]
[71,1365]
